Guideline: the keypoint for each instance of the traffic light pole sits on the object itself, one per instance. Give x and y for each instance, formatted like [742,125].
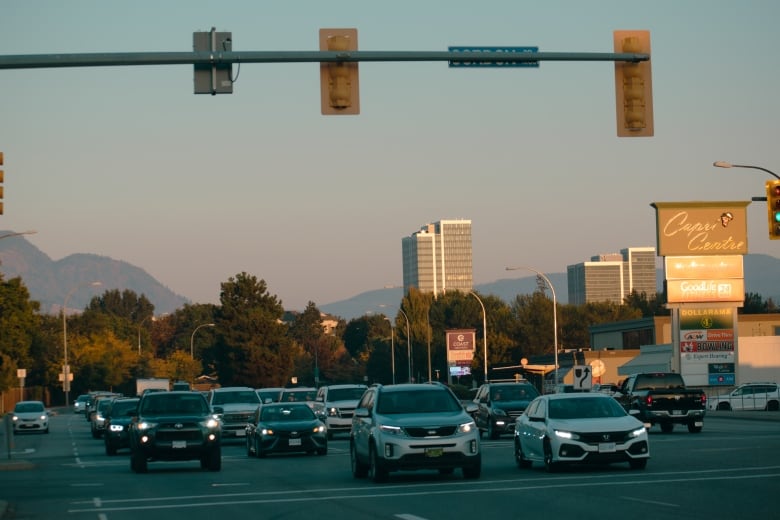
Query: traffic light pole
[42,61]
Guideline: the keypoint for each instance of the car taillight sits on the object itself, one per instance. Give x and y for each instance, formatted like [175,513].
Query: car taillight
[649,401]
[704,400]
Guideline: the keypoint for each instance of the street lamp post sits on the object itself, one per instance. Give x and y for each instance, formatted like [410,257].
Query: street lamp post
[408,343]
[555,312]
[392,348]
[484,332]
[724,164]
[192,338]
[139,331]
[65,367]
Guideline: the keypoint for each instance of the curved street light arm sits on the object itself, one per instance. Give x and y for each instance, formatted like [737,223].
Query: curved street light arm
[484,332]
[408,343]
[192,338]
[724,164]
[555,312]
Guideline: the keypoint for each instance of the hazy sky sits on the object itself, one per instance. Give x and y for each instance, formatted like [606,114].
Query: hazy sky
[128,163]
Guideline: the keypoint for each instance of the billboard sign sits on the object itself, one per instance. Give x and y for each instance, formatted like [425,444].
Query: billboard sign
[701,228]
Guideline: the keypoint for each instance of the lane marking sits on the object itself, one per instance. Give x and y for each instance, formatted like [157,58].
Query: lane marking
[651,502]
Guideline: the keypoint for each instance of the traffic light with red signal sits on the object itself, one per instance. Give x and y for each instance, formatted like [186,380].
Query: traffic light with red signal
[773,208]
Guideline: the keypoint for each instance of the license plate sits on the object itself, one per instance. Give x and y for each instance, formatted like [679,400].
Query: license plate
[677,412]
[606,447]
[295,442]
[434,452]
[240,433]
[178,444]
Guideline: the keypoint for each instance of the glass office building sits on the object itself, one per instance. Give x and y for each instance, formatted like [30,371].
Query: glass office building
[614,276]
[438,257]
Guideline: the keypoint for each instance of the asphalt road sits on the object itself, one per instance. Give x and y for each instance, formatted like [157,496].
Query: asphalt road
[731,469]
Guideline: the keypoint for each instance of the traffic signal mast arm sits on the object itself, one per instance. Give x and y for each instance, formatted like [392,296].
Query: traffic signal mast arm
[42,61]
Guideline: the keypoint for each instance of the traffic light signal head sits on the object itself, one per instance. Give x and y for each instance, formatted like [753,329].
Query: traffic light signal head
[633,86]
[773,208]
[339,87]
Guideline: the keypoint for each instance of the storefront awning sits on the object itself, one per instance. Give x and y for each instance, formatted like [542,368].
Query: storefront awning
[649,362]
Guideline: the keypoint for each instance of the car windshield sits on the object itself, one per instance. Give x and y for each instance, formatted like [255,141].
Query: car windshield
[286,413]
[585,408]
[416,401]
[237,396]
[28,407]
[165,404]
[345,394]
[296,396]
[514,393]
[122,407]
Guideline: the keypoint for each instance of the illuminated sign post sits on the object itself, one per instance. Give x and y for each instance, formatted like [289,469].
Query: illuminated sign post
[703,244]
[460,352]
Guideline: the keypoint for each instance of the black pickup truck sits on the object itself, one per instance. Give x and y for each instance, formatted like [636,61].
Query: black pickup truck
[662,398]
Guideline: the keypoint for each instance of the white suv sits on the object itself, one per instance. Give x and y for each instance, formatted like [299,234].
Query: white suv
[413,427]
[339,402]
[749,396]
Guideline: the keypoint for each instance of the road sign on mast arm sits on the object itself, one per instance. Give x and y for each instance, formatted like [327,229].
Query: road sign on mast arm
[339,87]
[509,50]
[214,77]
[633,86]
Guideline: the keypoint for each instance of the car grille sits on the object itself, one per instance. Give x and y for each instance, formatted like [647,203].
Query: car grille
[346,413]
[596,438]
[236,417]
[431,431]
[179,432]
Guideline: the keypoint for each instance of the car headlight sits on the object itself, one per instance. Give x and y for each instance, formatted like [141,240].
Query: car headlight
[319,429]
[467,427]
[115,427]
[146,425]
[638,432]
[563,434]
[211,423]
[15,418]
[266,431]
[333,412]
[391,430]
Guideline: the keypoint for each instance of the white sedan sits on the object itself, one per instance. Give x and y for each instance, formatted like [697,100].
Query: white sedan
[579,428]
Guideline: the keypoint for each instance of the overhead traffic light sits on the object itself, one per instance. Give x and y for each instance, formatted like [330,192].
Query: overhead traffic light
[633,86]
[1,183]
[773,208]
[339,87]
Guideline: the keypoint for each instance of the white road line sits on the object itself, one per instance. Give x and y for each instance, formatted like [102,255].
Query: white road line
[653,502]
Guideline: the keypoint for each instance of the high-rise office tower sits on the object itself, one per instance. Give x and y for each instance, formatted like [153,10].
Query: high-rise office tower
[614,276]
[437,258]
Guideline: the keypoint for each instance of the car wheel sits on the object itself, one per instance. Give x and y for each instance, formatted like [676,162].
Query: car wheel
[95,433]
[376,472]
[249,448]
[110,449]
[724,407]
[667,427]
[358,470]
[773,406]
[549,464]
[637,463]
[213,459]
[446,471]
[330,435]
[473,472]
[522,462]
[138,462]
[693,428]
[322,451]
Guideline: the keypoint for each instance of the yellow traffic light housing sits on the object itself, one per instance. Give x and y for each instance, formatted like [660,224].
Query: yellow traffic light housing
[773,208]
[633,86]
[339,87]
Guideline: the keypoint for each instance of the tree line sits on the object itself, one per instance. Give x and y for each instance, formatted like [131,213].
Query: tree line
[248,339]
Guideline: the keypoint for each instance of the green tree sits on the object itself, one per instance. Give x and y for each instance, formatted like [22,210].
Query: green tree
[19,323]
[252,346]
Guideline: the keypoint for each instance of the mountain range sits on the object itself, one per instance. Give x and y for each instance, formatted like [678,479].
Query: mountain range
[51,282]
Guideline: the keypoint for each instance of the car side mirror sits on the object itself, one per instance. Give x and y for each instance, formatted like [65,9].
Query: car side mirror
[218,409]
[362,412]
[471,408]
